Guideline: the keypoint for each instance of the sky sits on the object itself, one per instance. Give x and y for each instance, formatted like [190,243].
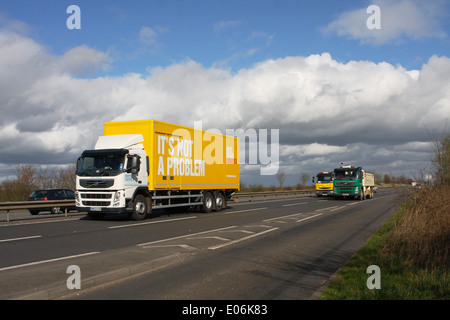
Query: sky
[361,82]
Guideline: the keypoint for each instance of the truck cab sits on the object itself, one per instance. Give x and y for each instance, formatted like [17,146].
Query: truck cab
[324,183]
[109,177]
[351,181]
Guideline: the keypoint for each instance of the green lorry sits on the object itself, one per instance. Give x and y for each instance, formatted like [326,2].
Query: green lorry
[353,182]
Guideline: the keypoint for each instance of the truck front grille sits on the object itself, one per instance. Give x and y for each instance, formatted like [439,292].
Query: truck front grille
[96,203]
[97,183]
[96,199]
[345,189]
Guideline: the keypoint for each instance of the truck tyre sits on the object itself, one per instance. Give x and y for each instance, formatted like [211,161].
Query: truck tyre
[55,210]
[362,194]
[220,201]
[208,202]
[140,208]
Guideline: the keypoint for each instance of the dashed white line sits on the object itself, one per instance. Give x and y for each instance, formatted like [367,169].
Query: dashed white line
[310,217]
[327,208]
[245,210]
[282,217]
[184,246]
[294,204]
[184,236]
[241,239]
[212,237]
[46,261]
[22,238]
[337,208]
[150,222]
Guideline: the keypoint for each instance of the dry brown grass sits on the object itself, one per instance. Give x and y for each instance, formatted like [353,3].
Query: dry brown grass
[422,232]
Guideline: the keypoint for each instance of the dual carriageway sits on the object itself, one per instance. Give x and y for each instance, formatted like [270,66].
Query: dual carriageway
[279,249]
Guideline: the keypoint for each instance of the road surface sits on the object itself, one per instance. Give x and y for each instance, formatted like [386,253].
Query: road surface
[264,250]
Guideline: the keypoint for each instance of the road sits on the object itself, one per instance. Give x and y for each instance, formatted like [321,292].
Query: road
[271,250]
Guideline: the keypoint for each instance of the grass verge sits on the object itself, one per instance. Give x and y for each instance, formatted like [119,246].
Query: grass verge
[412,251]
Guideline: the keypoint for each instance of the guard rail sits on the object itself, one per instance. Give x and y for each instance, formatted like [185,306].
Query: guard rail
[26,205]
[64,204]
[265,194]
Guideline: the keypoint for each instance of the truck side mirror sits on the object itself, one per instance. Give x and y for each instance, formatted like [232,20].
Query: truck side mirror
[78,165]
[134,163]
[313,179]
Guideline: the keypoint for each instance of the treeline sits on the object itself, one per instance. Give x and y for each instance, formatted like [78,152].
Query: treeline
[29,178]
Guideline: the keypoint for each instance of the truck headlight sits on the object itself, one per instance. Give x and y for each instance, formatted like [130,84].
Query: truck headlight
[116,199]
[77,199]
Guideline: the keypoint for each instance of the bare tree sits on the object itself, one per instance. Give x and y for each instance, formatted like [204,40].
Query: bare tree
[281,177]
[441,158]
[304,178]
[29,178]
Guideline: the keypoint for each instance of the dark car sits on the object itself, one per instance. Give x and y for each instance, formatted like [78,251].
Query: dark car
[51,194]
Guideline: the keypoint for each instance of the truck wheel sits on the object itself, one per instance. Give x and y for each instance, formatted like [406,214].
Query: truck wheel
[140,208]
[55,210]
[362,194]
[208,202]
[220,201]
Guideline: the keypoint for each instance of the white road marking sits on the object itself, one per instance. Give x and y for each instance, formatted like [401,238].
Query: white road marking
[184,236]
[282,217]
[327,208]
[255,209]
[22,238]
[46,261]
[150,222]
[319,214]
[337,208]
[294,204]
[241,239]
[212,237]
[184,246]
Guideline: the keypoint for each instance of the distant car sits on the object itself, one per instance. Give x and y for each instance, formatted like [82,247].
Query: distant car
[51,194]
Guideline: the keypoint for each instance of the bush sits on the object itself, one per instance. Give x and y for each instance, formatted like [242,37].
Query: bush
[422,232]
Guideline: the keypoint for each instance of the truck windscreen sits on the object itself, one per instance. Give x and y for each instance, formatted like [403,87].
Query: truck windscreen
[101,164]
[324,178]
[345,174]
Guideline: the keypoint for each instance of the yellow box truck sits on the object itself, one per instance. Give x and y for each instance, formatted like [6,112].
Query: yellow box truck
[139,165]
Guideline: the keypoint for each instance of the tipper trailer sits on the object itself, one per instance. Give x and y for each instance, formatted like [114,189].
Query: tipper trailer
[137,166]
[353,182]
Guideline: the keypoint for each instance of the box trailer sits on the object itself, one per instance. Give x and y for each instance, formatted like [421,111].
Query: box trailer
[137,166]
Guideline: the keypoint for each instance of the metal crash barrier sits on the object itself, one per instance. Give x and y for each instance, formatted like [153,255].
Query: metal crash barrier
[26,205]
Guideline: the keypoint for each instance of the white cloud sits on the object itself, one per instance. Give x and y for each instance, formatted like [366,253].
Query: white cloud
[400,20]
[83,60]
[327,112]
[147,35]
[221,25]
